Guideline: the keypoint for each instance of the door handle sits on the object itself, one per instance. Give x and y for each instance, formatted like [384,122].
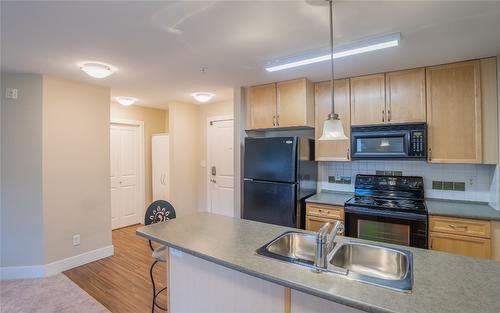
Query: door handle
[383,115]
[389,115]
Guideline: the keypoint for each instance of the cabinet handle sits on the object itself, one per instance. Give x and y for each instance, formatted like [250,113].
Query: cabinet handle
[389,115]
[383,115]
[430,154]
[464,227]
[348,156]
[274,120]
[278,120]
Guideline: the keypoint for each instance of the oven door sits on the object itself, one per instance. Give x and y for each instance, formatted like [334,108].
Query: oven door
[406,229]
[387,144]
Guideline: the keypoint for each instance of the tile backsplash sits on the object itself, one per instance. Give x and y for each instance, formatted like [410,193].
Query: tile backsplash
[477,178]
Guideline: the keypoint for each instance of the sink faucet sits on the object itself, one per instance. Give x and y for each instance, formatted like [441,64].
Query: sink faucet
[325,243]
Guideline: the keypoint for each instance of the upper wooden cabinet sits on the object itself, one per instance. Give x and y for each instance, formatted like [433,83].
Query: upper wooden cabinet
[332,150]
[295,105]
[262,106]
[284,104]
[368,100]
[405,96]
[454,113]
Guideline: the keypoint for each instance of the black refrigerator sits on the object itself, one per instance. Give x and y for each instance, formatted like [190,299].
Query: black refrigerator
[279,174]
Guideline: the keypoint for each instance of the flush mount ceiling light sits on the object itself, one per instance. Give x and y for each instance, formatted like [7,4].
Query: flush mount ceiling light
[126,101]
[203,96]
[367,45]
[97,70]
[332,127]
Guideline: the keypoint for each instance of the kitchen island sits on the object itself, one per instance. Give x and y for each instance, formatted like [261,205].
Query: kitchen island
[214,268]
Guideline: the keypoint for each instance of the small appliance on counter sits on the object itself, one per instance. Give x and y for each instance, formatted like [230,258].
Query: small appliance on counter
[388,209]
[396,141]
[279,173]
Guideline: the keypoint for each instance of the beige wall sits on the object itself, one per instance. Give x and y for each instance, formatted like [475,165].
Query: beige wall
[209,110]
[76,195]
[184,130]
[155,121]
[21,213]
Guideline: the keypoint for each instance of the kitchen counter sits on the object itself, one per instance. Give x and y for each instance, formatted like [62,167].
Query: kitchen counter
[442,282]
[465,209]
[330,197]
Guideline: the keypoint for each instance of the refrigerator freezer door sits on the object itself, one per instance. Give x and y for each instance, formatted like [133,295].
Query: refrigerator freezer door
[268,202]
[271,159]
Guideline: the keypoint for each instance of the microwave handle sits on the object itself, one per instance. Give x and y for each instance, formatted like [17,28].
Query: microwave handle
[391,214]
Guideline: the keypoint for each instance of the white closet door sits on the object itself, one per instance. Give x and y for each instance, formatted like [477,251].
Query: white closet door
[160,162]
[124,155]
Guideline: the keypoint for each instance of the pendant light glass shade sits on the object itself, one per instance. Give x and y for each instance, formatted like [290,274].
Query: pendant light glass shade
[332,129]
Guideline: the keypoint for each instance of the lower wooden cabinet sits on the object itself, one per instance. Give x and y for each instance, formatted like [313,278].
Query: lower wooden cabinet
[460,236]
[463,245]
[319,214]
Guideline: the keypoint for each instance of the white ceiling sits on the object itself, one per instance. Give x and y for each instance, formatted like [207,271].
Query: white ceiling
[159,47]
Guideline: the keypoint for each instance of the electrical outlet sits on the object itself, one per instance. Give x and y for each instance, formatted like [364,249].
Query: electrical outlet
[76,240]
[470,180]
[11,93]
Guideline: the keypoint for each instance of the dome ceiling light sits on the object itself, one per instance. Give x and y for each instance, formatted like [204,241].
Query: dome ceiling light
[126,101]
[97,70]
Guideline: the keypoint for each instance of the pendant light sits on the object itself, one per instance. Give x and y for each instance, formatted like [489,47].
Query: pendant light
[332,127]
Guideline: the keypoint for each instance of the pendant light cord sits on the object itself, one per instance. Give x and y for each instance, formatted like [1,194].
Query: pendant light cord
[331,56]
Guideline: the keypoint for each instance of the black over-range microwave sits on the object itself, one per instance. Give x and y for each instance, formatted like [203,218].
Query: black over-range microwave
[395,141]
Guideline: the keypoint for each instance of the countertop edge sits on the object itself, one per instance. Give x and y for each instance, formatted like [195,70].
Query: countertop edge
[272,279]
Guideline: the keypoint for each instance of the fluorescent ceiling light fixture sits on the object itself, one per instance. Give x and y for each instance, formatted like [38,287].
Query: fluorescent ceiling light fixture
[97,70]
[126,101]
[203,96]
[373,44]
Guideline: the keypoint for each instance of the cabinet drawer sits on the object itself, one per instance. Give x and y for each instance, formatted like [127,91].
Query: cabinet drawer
[314,223]
[326,211]
[459,244]
[460,226]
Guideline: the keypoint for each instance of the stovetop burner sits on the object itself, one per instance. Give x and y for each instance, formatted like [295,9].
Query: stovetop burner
[395,193]
[405,205]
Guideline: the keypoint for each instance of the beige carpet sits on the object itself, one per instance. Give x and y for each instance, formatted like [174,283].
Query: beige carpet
[46,295]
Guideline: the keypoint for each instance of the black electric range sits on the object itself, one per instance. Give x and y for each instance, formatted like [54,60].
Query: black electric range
[388,209]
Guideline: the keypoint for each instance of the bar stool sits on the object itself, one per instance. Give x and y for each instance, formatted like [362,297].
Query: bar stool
[158,211]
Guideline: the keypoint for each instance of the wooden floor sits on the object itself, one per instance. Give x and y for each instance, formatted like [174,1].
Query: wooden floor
[121,282]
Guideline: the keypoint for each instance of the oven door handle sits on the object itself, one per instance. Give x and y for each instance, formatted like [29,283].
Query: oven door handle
[385,213]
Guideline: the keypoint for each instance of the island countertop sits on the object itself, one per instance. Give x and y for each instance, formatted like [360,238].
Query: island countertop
[442,282]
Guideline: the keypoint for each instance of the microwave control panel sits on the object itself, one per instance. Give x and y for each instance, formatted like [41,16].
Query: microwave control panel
[417,144]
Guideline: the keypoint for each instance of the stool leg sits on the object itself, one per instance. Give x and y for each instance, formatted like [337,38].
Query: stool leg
[154,286]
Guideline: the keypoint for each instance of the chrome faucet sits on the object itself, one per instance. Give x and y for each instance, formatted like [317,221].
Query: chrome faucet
[325,243]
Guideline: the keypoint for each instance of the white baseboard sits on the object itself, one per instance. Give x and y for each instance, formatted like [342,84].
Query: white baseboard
[22,272]
[36,271]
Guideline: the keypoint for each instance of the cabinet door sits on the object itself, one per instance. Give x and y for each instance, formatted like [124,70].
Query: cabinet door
[405,96]
[368,100]
[295,106]
[261,106]
[463,245]
[314,223]
[454,113]
[332,150]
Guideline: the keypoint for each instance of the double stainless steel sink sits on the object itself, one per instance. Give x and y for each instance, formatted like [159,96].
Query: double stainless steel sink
[370,263]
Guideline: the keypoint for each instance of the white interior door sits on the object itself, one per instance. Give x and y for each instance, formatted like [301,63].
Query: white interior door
[160,163]
[124,153]
[220,167]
